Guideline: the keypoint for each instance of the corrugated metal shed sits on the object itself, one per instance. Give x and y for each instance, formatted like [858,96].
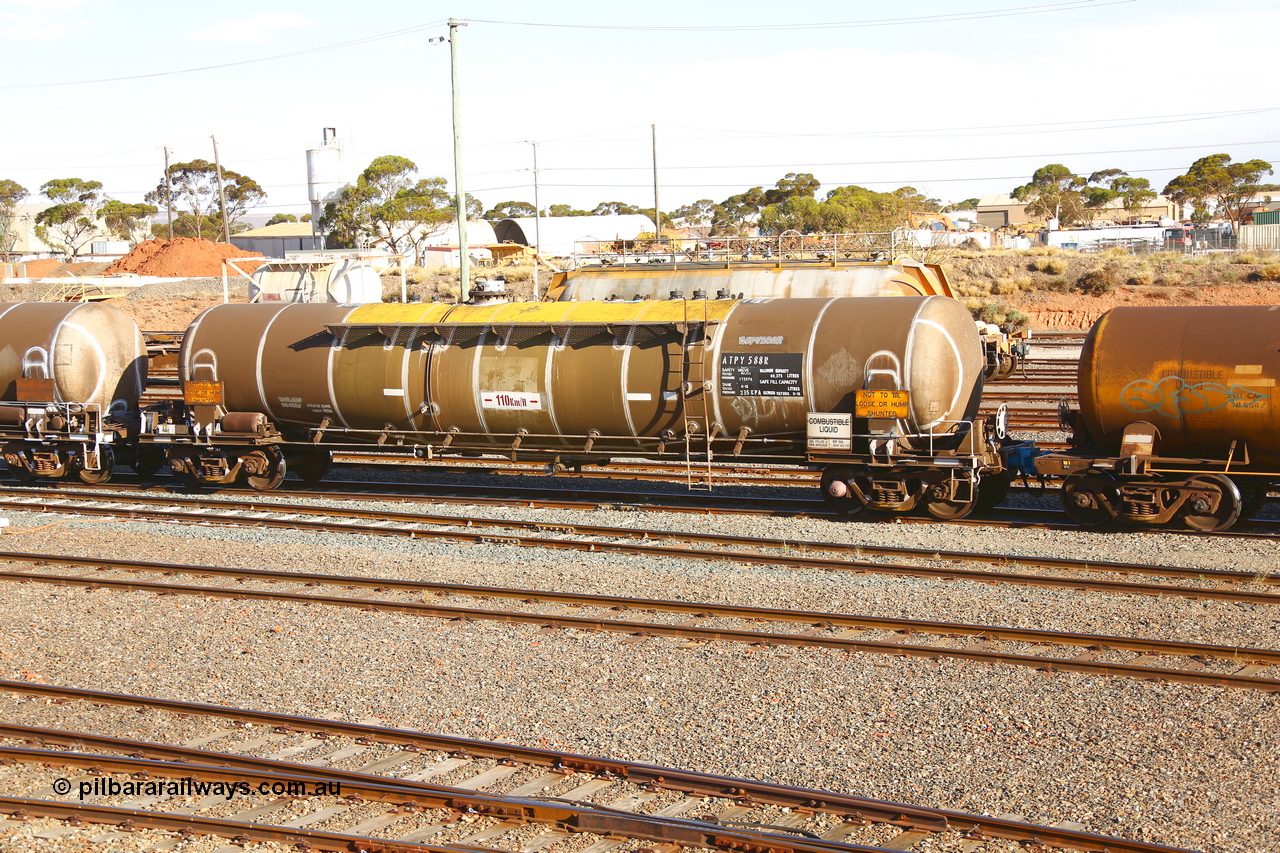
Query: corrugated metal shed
[1266,217]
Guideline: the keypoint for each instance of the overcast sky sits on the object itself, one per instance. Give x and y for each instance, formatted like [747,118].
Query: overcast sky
[960,98]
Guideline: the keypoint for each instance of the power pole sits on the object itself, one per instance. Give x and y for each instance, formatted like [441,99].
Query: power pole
[537,221]
[222,195]
[168,202]
[657,211]
[464,259]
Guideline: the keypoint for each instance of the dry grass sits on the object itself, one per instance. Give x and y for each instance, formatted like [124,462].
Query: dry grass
[1271,272]
[1053,266]
[517,273]
[1100,280]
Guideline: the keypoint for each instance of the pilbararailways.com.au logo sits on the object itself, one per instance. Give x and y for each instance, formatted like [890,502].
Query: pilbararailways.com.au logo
[188,787]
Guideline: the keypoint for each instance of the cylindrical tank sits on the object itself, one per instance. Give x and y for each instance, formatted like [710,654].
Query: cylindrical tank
[795,279]
[560,371]
[94,354]
[1204,376]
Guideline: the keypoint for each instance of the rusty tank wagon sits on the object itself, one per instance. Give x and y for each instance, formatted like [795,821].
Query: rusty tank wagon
[70,379]
[880,393]
[1178,419]
[790,278]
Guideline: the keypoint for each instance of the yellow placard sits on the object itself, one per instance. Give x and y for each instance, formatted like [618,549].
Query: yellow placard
[202,393]
[882,404]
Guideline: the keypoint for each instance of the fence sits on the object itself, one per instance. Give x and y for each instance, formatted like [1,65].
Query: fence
[1260,238]
[832,248]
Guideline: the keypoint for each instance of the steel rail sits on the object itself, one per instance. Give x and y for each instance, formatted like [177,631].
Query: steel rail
[1246,657]
[403,792]
[130,820]
[218,513]
[654,777]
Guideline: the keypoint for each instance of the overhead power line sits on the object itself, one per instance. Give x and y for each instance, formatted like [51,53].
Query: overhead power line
[1008,12]
[272,58]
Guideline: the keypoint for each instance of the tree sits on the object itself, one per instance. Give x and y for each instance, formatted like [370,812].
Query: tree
[1054,193]
[738,213]
[1215,179]
[848,209]
[614,208]
[475,210]
[193,187]
[282,217]
[129,222]
[385,205]
[967,204]
[71,221]
[11,195]
[792,185]
[567,210]
[511,210]
[699,212]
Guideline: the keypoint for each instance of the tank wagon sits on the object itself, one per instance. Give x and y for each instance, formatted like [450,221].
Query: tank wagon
[807,279]
[879,392]
[70,379]
[1178,419]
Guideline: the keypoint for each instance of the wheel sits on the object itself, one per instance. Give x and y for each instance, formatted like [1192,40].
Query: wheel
[1253,496]
[1005,367]
[16,461]
[106,467]
[1197,513]
[944,508]
[147,461]
[993,488]
[836,493]
[949,510]
[313,466]
[1085,498]
[264,468]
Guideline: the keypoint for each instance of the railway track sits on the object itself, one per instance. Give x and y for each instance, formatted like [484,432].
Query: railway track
[548,798]
[542,497]
[1051,651]
[566,536]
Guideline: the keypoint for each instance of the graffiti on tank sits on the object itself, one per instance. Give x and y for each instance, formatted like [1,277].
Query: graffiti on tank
[1173,395]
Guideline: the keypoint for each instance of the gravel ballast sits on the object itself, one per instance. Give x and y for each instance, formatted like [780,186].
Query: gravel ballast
[1181,765]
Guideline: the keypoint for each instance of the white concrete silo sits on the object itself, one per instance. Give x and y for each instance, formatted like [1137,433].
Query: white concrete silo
[326,175]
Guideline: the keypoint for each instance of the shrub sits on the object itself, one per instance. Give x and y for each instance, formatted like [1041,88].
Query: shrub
[1053,266]
[1008,319]
[1100,280]
[1142,277]
[1271,272]
[1004,286]
[1169,278]
[1244,258]
[517,273]
[416,275]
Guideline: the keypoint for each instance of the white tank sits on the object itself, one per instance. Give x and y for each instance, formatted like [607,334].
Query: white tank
[325,173]
[352,281]
[344,281]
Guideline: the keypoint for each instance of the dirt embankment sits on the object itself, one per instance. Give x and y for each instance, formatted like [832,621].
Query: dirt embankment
[1053,289]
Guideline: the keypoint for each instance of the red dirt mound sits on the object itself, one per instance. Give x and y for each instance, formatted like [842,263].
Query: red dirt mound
[181,256]
[42,267]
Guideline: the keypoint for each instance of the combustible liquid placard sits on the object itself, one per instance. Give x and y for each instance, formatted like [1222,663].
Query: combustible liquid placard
[830,431]
[882,404]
